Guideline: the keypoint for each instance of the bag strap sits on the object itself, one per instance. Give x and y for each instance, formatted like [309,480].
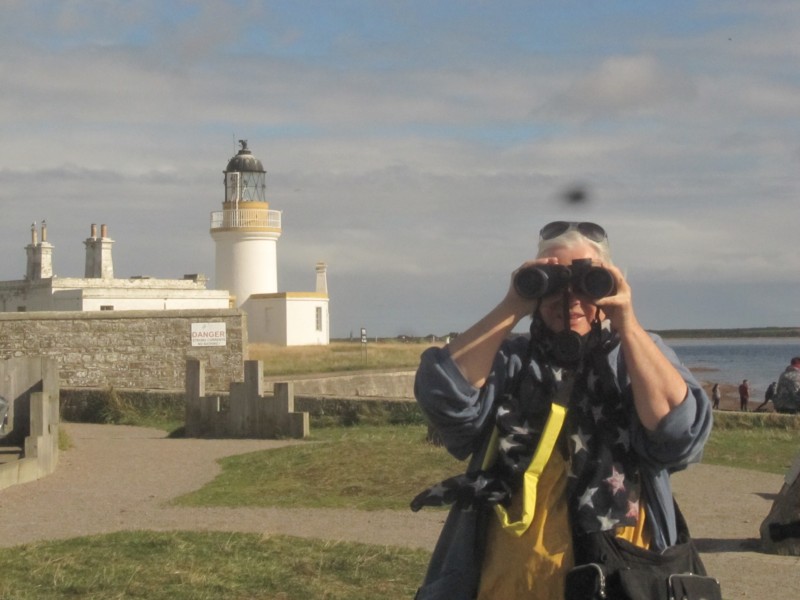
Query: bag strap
[544,449]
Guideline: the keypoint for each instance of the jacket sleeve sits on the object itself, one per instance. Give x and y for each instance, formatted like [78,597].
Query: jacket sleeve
[677,442]
[456,409]
[680,436]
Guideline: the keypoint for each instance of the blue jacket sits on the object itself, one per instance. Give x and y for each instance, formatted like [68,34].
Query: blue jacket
[461,413]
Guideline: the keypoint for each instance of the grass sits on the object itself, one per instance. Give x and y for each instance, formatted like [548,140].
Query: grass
[371,468]
[199,566]
[767,450]
[765,442]
[366,468]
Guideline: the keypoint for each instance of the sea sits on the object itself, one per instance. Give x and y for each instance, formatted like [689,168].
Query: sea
[730,360]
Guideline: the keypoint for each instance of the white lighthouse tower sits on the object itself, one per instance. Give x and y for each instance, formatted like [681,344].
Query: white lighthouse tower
[246,231]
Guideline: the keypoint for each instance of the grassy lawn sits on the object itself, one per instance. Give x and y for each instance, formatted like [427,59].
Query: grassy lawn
[199,566]
[384,467]
[768,450]
[367,468]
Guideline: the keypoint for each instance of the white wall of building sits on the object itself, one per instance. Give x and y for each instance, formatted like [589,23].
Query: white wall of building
[266,319]
[288,319]
[307,321]
[109,294]
[163,302]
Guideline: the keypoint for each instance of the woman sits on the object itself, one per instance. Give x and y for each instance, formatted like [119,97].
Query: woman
[633,414]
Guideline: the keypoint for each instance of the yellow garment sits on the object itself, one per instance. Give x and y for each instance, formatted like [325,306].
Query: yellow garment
[638,535]
[522,517]
[533,566]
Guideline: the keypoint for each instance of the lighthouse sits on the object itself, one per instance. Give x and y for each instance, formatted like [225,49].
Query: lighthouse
[245,231]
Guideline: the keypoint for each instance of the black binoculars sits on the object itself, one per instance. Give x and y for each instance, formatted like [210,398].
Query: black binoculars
[581,276]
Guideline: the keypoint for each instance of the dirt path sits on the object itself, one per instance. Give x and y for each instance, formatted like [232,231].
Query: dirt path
[117,478]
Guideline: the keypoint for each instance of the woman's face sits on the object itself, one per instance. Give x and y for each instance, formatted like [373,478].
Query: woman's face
[581,310]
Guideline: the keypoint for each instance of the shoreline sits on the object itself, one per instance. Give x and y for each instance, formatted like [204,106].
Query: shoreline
[742,333]
[729,398]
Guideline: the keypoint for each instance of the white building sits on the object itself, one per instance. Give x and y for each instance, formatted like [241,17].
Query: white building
[98,289]
[245,234]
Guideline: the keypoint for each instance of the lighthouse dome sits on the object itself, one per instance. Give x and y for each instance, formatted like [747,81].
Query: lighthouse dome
[244,161]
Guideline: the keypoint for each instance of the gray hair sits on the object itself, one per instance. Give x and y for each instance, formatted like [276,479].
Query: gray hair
[572,238]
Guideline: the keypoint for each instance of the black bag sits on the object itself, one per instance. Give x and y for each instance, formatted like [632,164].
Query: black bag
[454,569]
[594,582]
[694,587]
[613,568]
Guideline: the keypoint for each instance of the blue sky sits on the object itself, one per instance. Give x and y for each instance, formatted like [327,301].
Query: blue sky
[417,147]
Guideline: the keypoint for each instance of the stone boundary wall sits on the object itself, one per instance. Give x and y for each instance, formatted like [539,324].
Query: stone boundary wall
[343,399]
[385,384]
[127,349]
[30,385]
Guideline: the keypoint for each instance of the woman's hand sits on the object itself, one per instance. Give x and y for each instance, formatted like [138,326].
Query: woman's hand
[618,309]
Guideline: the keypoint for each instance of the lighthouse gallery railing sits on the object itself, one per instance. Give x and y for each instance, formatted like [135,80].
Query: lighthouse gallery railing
[246,217]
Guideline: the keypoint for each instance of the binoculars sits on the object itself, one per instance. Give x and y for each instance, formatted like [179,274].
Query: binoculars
[581,276]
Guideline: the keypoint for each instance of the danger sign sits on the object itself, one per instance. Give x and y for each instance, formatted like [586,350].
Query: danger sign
[209,334]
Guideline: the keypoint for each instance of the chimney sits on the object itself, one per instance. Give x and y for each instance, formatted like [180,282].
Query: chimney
[322,278]
[99,264]
[40,256]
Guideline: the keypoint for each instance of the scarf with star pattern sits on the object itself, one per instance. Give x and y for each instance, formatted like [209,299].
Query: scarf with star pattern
[603,485]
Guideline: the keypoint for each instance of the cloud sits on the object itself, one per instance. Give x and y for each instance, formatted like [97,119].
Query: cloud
[623,85]
[417,151]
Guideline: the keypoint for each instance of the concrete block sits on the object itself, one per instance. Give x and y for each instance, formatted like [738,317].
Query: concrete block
[32,385]
[9,474]
[249,412]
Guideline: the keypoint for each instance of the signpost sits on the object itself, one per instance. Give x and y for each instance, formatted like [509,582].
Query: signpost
[364,345]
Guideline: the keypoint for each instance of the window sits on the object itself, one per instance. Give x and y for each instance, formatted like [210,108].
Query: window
[106,307]
[319,318]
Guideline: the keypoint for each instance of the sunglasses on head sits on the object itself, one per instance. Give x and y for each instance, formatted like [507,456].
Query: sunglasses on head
[591,231]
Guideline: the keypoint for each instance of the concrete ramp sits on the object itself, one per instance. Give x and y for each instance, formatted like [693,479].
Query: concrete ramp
[29,435]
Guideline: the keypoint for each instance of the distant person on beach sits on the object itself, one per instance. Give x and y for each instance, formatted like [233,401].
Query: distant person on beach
[768,395]
[716,396]
[787,396]
[588,404]
[744,395]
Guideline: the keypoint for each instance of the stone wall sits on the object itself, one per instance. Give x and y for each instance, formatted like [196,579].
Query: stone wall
[127,349]
[383,384]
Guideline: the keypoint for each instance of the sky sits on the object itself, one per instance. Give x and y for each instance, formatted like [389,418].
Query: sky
[417,147]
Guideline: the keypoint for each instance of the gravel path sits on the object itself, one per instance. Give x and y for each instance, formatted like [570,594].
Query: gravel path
[117,478]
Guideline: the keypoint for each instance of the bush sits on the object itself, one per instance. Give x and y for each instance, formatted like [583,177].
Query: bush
[122,407]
